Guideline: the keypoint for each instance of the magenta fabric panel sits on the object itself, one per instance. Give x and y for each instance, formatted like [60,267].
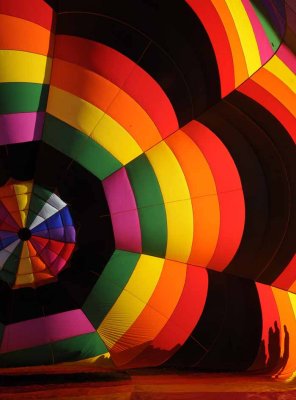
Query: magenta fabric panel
[287,56]
[124,214]
[265,49]
[21,127]
[39,331]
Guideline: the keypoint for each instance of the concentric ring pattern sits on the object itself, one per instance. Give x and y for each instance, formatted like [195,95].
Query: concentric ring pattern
[37,234]
[166,129]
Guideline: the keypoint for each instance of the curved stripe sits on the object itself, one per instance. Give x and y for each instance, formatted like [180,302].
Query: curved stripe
[203,195]
[132,300]
[239,61]
[22,97]
[109,286]
[38,331]
[19,66]
[181,323]
[109,98]
[263,44]
[19,34]
[229,190]
[262,96]
[212,22]
[124,73]
[287,279]
[150,206]
[176,199]
[275,86]
[79,147]
[154,316]
[288,57]
[278,68]
[246,35]
[22,127]
[42,15]
[92,121]
[123,210]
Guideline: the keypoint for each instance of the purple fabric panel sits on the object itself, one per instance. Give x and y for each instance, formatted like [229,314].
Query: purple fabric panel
[123,209]
[65,234]
[21,127]
[39,331]
[6,234]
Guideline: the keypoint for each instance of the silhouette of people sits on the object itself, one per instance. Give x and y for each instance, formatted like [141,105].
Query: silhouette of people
[284,359]
[274,347]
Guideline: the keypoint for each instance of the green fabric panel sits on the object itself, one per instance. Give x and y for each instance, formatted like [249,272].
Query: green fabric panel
[109,285]
[22,97]
[73,349]
[40,355]
[78,348]
[8,273]
[150,206]
[38,198]
[270,32]
[79,147]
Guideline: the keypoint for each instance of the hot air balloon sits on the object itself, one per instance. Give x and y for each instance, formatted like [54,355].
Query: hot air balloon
[147,199]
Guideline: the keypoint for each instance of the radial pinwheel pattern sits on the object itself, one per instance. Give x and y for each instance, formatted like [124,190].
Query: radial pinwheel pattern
[147,173]
[37,235]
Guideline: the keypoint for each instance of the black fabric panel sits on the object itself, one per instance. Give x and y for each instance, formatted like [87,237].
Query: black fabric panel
[166,39]
[98,28]
[228,334]
[17,161]
[278,159]
[208,326]
[237,343]
[86,200]
[220,120]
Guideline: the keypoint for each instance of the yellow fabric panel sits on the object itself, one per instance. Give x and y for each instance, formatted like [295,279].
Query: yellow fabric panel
[246,35]
[25,266]
[20,66]
[292,297]
[132,300]
[276,66]
[23,197]
[24,280]
[73,110]
[277,88]
[114,138]
[21,188]
[177,201]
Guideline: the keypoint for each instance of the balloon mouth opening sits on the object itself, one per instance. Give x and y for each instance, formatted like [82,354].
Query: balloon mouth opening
[24,234]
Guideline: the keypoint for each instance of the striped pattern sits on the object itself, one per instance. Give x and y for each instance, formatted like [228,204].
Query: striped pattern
[187,117]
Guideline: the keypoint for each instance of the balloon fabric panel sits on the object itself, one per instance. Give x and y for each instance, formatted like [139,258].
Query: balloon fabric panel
[147,183]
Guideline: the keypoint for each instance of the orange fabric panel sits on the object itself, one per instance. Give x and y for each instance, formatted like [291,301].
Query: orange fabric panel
[287,318]
[240,66]
[205,203]
[154,316]
[19,34]
[111,100]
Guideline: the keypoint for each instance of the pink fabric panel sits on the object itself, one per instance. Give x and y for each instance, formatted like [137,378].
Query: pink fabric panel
[43,330]
[21,127]
[123,209]
[264,46]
